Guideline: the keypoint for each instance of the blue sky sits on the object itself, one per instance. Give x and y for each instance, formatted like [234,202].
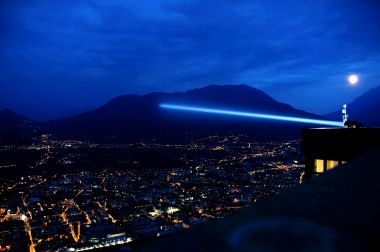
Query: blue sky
[58,58]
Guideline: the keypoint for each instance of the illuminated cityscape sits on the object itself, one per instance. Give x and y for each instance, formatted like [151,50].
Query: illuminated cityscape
[169,125]
[63,210]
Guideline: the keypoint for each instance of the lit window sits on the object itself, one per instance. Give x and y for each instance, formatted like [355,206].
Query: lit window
[331,164]
[318,165]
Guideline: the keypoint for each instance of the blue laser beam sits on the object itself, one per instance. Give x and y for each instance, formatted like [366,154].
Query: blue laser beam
[252,115]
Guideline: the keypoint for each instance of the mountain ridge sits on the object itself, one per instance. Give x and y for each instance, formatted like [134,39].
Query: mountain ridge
[16,129]
[133,117]
[139,116]
[364,109]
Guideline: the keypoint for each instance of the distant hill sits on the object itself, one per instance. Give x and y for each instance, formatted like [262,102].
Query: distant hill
[16,129]
[134,118]
[365,108]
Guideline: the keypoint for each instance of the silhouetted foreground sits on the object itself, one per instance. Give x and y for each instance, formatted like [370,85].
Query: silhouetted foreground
[338,211]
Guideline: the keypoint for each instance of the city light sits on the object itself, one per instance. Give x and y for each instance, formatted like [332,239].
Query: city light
[252,115]
[88,210]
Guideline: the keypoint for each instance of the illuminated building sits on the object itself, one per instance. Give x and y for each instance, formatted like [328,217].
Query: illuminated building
[326,148]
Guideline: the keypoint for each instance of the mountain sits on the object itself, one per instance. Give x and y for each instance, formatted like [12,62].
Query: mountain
[134,117]
[16,129]
[364,109]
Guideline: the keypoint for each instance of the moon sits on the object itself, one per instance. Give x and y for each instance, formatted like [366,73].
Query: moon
[353,79]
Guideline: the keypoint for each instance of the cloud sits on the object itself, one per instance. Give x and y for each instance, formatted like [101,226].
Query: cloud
[100,49]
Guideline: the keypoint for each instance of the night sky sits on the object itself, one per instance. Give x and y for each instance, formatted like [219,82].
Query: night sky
[58,58]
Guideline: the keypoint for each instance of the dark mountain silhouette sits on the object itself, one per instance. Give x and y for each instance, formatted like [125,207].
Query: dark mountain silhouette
[16,129]
[365,109]
[133,117]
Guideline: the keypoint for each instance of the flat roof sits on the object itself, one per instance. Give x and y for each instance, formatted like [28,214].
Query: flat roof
[339,143]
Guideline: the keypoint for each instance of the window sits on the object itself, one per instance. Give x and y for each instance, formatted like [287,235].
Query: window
[331,164]
[318,165]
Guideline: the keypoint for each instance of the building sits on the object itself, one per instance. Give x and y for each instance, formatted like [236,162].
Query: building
[326,148]
[334,212]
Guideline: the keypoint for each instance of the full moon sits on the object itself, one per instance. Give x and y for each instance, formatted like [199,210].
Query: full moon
[353,79]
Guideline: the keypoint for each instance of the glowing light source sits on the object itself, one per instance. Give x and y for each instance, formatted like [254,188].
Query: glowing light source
[353,79]
[23,217]
[253,115]
[172,210]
